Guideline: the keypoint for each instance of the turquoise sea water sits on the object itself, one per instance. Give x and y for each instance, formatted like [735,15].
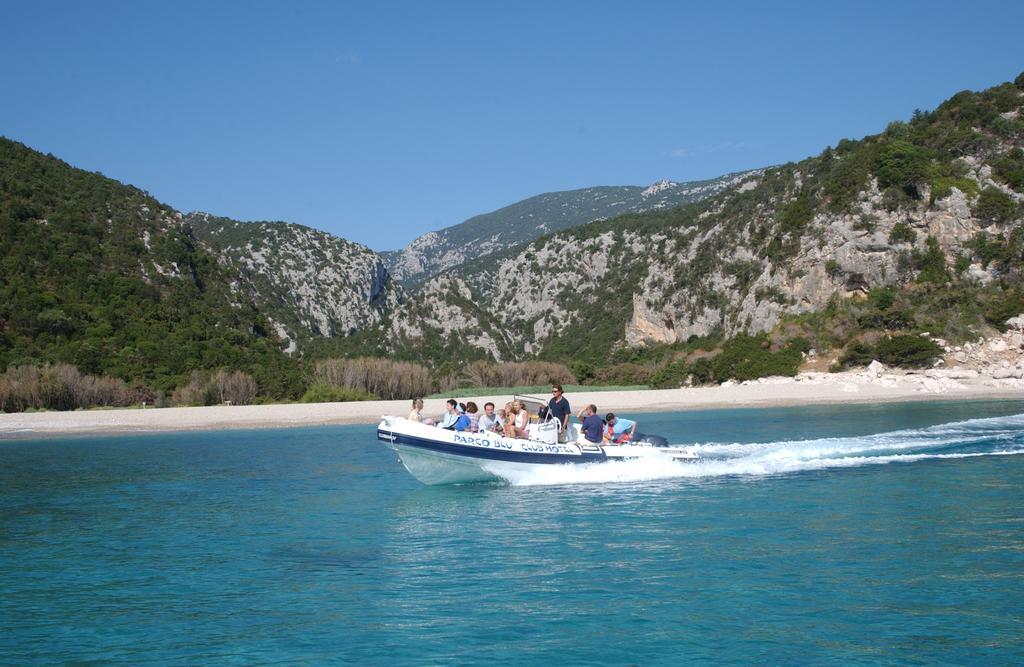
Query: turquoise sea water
[850,534]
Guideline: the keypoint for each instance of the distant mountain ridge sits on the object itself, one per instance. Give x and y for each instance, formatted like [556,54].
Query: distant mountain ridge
[536,216]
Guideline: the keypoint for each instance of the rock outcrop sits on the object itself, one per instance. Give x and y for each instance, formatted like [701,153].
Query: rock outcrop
[308,282]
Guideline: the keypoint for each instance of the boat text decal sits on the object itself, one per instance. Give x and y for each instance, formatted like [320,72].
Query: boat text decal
[527,446]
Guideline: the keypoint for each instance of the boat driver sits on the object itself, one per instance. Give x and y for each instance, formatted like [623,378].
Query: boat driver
[558,409]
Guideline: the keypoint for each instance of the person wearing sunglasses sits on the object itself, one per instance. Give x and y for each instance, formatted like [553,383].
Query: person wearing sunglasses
[559,410]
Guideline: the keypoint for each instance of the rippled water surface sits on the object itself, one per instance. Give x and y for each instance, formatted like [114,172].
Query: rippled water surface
[853,534]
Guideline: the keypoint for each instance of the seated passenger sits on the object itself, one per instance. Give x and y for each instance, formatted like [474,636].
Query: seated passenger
[522,422]
[489,420]
[416,414]
[516,419]
[618,429]
[451,416]
[507,417]
[474,417]
[592,424]
[462,423]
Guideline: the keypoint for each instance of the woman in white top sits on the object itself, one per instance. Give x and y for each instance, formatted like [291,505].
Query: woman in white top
[521,420]
[416,414]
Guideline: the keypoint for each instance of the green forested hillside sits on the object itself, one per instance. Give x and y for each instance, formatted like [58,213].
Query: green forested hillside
[930,209]
[102,276]
[857,252]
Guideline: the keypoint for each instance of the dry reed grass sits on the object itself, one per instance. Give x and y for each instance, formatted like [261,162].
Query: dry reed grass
[509,374]
[59,387]
[386,379]
[231,387]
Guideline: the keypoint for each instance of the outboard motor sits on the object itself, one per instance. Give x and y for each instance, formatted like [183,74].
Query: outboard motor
[650,439]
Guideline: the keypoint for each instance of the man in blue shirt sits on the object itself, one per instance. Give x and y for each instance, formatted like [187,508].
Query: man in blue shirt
[619,429]
[592,424]
[462,423]
[558,408]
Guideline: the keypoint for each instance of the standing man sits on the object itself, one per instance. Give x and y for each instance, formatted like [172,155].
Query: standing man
[558,409]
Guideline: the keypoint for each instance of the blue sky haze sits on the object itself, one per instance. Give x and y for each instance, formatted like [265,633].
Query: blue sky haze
[380,121]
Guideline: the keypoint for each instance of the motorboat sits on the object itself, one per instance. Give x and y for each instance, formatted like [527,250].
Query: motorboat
[435,455]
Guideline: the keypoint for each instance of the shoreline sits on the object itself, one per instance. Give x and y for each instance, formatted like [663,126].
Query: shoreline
[804,389]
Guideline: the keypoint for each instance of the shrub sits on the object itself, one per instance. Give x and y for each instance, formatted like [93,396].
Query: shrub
[881,298]
[702,370]
[902,233]
[237,388]
[887,319]
[197,391]
[748,358]
[903,165]
[995,206]
[943,187]
[989,249]
[583,371]
[325,393]
[1010,168]
[907,351]
[797,214]
[95,390]
[1003,307]
[801,344]
[933,264]
[670,375]
[893,199]
[856,354]
[623,374]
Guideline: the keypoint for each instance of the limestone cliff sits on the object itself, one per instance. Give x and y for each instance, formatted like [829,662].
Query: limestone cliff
[306,281]
[923,201]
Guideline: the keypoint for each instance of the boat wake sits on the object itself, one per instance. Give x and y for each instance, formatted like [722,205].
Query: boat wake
[998,436]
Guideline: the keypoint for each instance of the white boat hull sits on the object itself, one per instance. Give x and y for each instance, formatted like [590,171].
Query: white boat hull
[437,456]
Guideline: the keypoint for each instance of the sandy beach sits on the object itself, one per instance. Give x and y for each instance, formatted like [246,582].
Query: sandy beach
[870,386]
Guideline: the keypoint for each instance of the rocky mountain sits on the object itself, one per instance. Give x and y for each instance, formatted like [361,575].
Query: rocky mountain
[306,282]
[933,202]
[915,229]
[534,217]
[103,276]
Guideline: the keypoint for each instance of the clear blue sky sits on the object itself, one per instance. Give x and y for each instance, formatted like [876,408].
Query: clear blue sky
[378,121]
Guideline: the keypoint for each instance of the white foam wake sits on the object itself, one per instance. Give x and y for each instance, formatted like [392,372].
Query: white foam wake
[999,436]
